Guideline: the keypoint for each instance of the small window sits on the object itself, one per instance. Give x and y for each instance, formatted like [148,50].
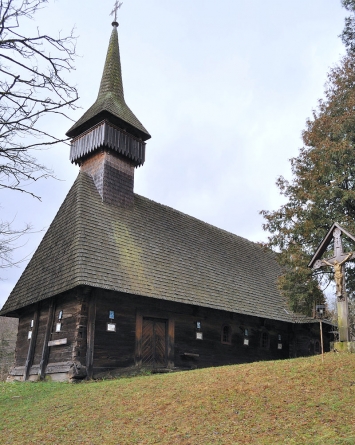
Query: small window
[199,336]
[31,324]
[226,335]
[29,336]
[58,327]
[198,325]
[246,333]
[111,315]
[60,316]
[111,327]
[279,338]
[317,347]
[265,340]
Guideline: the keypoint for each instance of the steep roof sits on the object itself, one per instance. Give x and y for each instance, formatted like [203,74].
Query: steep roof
[110,103]
[150,250]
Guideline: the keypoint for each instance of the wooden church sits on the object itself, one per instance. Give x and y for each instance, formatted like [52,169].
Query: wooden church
[120,282]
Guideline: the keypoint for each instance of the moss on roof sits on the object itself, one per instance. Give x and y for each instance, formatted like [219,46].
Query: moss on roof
[150,250]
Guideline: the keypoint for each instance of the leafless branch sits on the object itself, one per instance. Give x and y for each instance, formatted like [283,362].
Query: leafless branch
[33,87]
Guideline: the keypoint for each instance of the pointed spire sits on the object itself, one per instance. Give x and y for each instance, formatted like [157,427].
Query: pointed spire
[110,103]
[111,81]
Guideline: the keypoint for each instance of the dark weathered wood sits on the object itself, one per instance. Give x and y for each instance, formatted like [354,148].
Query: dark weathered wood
[148,348]
[89,344]
[154,342]
[139,327]
[70,304]
[32,344]
[171,342]
[47,335]
[90,340]
[106,134]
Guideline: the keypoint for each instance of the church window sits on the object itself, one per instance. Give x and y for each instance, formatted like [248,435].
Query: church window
[317,347]
[226,334]
[111,327]
[265,340]
[279,341]
[246,337]
[29,335]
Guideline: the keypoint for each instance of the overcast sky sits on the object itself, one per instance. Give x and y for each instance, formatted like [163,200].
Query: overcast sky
[224,88]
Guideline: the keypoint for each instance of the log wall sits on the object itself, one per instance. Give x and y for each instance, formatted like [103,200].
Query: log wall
[119,349]
[85,315]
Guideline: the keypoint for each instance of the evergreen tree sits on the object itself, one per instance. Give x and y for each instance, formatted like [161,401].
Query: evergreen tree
[321,192]
[348,34]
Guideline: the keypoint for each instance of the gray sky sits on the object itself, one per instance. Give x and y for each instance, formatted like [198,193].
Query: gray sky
[224,88]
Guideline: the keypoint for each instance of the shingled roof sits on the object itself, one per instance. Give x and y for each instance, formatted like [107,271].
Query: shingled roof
[110,103]
[151,250]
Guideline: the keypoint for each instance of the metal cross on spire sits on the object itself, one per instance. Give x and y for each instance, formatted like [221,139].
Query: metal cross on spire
[116,8]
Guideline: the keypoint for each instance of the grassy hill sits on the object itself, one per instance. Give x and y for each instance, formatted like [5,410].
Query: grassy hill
[298,401]
[8,334]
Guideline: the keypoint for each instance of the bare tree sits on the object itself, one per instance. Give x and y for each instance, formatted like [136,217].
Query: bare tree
[32,88]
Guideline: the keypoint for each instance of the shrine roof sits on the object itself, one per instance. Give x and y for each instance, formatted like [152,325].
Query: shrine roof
[326,241]
[151,250]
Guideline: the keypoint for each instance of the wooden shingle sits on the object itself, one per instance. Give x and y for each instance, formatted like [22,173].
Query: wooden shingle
[151,250]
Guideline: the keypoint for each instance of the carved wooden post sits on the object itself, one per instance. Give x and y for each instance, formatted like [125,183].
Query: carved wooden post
[343,318]
[45,350]
[90,334]
[321,339]
[31,347]
[139,328]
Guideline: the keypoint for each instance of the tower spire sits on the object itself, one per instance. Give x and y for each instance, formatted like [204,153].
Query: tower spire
[110,103]
[108,141]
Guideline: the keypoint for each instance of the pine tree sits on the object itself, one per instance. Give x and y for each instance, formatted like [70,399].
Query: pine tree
[321,192]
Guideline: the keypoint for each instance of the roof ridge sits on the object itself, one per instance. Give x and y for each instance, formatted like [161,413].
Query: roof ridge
[219,229]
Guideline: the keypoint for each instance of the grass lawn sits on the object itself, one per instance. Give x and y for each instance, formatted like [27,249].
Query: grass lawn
[298,401]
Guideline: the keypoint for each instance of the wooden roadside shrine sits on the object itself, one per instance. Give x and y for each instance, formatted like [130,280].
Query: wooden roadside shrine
[337,261]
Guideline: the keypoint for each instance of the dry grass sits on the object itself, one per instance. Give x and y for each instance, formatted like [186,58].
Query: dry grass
[296,401]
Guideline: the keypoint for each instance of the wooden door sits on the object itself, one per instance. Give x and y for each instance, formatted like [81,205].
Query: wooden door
[154,342]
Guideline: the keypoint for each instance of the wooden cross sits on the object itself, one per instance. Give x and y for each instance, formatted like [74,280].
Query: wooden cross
[337,261]
[116,8]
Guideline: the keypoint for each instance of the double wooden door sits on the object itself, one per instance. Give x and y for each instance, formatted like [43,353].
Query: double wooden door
[154,342]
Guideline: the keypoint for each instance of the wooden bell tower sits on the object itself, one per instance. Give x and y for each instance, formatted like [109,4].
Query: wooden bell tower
[108,141]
